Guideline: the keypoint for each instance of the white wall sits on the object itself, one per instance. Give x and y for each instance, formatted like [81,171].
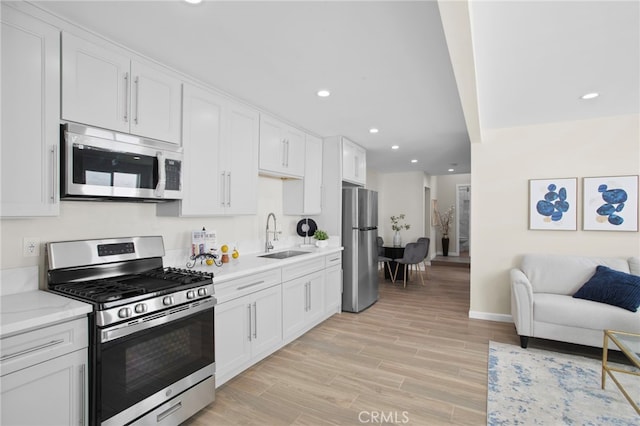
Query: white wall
[84,220]
[501,167]
[401,193]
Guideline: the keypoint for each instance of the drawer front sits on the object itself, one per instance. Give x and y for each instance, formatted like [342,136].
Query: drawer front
[333,259]
[27,349]
[302,268]
[246,285]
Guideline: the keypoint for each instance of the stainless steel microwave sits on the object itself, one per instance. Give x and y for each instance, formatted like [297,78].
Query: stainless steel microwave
[98,164]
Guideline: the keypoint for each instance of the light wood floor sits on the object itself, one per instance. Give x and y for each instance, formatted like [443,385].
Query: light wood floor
[414,357]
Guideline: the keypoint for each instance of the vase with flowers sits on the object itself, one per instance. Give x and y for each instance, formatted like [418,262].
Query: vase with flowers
[397,226]
[443,223]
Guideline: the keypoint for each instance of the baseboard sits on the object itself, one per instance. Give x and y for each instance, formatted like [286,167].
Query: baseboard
[488,316]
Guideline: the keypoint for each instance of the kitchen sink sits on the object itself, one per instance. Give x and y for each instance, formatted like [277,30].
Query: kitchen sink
[284,254]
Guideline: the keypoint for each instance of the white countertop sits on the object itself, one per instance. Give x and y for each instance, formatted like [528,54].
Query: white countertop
[33,309]
[253,263]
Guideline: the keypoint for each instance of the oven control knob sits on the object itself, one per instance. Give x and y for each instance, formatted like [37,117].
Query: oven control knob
[140,308]
[202,292]
[124,313]
[191,294]
[168,300]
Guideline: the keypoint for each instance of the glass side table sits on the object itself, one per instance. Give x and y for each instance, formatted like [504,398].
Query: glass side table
[629,344]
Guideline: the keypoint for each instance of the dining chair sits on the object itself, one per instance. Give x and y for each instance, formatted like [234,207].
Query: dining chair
[414,253]
[382,258]
[426,241]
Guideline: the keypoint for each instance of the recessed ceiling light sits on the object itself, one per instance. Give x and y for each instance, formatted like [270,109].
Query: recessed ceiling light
[323,93]
[450,170]
[591,95]
[395,147]
[414,161]
[193,1]
[373,130]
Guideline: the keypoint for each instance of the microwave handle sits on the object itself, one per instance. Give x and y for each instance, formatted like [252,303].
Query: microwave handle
[162,175]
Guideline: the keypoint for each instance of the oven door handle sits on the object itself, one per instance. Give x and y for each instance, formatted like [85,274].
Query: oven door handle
[154,320]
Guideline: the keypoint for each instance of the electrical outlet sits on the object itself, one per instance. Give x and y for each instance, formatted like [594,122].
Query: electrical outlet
[30,246]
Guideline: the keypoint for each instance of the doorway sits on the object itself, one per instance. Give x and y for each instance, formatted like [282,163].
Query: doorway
[463,219]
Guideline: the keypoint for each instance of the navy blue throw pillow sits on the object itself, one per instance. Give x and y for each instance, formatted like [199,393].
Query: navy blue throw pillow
[613,288]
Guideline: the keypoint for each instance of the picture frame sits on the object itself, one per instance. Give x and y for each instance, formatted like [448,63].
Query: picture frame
[610,203]
[552,204]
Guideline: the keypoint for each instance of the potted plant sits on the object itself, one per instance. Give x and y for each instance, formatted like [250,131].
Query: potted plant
[321,238]
[397,226]
[444,221]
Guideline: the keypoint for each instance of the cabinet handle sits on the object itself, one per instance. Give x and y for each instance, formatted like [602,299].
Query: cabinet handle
[250,285]
[255,320]
[54,173]
[137,82]
[168,412]
[306,297]
[126,97]
[309,292]
[334,259]
[81,422]
[222,189]
[33,349]
[284,149]
[228,189]
[249,308]
[287,165]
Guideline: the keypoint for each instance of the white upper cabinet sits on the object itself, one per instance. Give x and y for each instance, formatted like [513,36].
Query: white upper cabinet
[282,148]
[304,197]
[29,159]
[104,88]
[220,140]
[354,163]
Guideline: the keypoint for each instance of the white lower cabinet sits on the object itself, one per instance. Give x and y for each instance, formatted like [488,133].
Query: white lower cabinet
[302,304]
[247,329]
[55,390]
[333,284]
[47,369]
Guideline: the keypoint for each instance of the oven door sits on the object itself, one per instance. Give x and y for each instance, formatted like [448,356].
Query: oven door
[146,362]
[94,167]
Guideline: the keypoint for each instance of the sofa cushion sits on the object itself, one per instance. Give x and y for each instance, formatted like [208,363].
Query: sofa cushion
[580,313]
[565,274]
[613,288]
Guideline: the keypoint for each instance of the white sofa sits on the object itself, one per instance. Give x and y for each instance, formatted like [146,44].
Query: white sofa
[542,304]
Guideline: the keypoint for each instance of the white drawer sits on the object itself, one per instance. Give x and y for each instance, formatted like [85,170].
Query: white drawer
[246,285]
[333,259]
[302,268]
[30,348]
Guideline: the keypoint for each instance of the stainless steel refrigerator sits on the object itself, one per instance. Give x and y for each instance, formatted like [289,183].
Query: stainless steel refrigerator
[360,256]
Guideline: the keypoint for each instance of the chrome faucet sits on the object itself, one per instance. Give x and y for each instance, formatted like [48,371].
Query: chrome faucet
[267,244]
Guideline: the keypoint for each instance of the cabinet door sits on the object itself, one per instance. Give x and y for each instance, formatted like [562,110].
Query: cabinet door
[267,322]
[294,152]
[315,298]
[294,307]
[95,85]
[155,103]
[57,389]
[241,144]
[333,289]
[29,146]
[204,184]
[348,160]
[232,338]
[360,165]
[313,176]
[272,145]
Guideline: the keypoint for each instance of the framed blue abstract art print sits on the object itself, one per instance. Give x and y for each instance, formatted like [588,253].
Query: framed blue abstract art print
[610,203]
[552,204]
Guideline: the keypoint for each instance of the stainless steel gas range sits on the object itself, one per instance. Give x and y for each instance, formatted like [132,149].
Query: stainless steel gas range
[151,330]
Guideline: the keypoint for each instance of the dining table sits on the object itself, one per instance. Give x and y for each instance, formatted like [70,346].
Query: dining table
[394,252]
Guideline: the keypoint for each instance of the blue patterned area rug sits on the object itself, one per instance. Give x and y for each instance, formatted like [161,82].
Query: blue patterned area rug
[538,387]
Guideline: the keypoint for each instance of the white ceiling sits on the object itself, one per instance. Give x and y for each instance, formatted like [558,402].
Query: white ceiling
[387,64]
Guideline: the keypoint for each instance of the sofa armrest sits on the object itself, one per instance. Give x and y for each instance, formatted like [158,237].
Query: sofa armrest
[521,302]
